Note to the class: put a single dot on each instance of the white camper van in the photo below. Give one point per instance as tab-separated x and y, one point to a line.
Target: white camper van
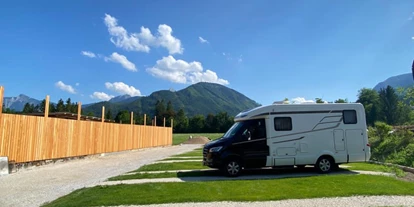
322	135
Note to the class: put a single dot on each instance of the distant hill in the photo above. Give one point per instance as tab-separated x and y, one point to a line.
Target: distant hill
17	103
403	80
124	99
201	98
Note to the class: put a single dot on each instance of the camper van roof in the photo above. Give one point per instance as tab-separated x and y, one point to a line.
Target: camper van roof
286	108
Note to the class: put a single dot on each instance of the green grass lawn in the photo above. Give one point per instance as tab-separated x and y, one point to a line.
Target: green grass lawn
375	167
187	158
180	138
195	153
165	175
172	166
237	190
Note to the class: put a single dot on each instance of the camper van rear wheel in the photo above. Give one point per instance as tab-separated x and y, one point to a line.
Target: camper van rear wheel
232	168
324	164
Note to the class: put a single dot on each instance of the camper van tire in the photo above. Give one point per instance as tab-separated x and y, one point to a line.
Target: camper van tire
232	167
325	164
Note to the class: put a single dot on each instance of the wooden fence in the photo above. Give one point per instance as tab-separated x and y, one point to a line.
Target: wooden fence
25	138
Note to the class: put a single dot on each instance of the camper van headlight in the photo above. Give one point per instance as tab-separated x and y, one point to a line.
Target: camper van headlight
215	149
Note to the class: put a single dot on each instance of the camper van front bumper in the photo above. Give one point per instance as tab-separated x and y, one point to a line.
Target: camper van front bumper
211	159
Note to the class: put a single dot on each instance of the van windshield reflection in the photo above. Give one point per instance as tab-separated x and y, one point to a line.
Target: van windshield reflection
233	130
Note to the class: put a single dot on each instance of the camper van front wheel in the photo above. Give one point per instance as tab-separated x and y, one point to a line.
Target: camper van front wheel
232	168
324	164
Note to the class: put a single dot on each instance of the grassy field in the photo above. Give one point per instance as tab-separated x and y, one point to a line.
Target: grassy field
214	172
246	190
180	138
333	185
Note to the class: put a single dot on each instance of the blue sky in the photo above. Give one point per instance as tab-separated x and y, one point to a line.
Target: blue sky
267	50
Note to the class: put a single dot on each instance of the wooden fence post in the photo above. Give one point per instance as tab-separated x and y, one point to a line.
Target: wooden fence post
47	144
103	114
1	100
172	123
155	120
132	118
47	106
164	121
145	119
79	110
1	112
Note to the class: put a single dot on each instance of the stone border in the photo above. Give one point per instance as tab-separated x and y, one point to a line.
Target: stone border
404	168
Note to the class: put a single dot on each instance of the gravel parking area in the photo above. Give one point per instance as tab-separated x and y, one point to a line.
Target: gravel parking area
360	201
34	186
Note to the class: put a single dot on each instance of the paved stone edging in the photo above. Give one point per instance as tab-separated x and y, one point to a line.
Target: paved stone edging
168	171
172	161
402	167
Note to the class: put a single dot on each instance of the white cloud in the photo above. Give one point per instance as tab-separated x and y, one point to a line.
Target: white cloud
77	84
240	58
117	58
142	41
202	40
121	38
412	38
101	96
301	100
180	71
123	88
88	54
224	54
62	86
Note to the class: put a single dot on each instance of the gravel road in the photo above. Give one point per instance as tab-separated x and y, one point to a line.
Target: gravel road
33	187
360	201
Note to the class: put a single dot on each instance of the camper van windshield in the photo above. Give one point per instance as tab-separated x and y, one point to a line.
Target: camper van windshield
233	130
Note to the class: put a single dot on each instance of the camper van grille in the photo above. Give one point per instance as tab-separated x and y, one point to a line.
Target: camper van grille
205	150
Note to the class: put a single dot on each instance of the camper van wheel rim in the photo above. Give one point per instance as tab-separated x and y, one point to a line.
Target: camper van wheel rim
325	164
233	168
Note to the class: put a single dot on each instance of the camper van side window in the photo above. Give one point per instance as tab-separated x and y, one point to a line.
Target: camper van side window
349	117
283	123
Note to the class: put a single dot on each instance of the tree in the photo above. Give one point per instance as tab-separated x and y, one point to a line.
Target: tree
169	113
210	124
341	101
41	106
60	106
123	117
108	114
370	99
196	123
68	105
28	108
52	108
160	112
181	122
319	100
389	104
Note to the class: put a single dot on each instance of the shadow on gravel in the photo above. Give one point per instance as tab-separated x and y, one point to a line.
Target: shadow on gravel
261	173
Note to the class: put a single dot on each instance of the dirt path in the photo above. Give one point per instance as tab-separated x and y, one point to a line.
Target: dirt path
33	187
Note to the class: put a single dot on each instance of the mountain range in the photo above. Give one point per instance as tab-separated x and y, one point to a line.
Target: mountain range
200	98
17	103
403	80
